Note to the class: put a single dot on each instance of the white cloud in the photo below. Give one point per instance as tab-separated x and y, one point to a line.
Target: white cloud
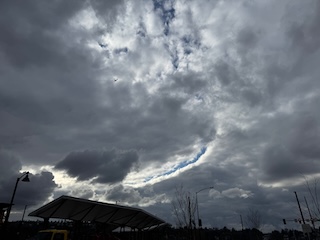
236	192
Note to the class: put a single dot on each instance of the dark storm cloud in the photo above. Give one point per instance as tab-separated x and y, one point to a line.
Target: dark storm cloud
49	98
40	187
108	10
107	166
37	33
248	92
57	101
225	73
56	97
23	40
252	96
304	33
108	124
294	151
9	164
247	38
158	124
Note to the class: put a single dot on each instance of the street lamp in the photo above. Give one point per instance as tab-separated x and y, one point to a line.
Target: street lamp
25	179
199	220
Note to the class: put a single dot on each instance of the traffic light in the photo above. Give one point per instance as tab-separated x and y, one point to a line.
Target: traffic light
284	221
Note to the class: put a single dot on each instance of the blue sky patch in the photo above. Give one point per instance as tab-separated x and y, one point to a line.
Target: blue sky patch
179	166
166	14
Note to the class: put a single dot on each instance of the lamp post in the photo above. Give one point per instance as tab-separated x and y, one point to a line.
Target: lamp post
25	179
199	221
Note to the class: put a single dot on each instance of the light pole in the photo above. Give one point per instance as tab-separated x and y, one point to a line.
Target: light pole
199	221
24	211
25	179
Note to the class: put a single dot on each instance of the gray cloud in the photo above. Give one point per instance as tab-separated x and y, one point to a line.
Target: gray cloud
9	164
26	44
123	196
30	193
107	166
244	83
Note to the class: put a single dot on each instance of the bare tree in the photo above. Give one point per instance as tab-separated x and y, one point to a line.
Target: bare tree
313	191
184	208
253	218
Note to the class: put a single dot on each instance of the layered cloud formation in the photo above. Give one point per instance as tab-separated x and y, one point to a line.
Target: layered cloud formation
123	101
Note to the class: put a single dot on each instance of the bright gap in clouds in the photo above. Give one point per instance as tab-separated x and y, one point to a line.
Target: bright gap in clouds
178	166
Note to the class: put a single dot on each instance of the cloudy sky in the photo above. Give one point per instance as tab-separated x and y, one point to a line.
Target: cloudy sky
123	101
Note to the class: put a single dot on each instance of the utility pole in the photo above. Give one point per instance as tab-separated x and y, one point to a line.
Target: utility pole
241	222
301	214
197	205
24	211
189	210
309	213
300	208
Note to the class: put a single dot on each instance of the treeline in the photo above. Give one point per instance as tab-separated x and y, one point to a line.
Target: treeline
232	234
25	230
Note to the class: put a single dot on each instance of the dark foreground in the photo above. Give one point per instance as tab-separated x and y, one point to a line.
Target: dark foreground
87	231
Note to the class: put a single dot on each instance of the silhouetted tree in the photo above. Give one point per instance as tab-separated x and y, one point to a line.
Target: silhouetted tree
313	191
275	235
184	208
253	218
